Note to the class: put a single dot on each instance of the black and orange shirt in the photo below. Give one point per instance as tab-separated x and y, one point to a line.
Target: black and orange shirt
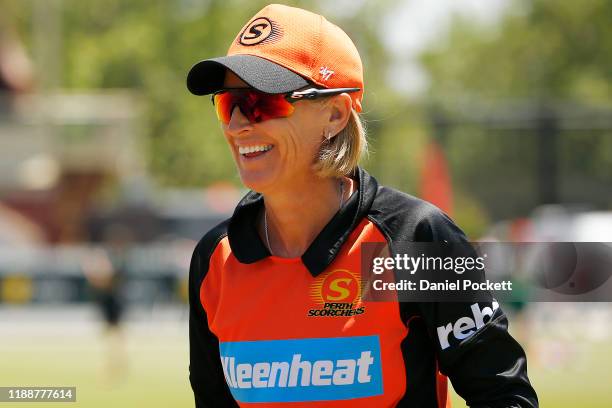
270	331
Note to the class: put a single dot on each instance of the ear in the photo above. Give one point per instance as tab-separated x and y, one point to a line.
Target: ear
340	107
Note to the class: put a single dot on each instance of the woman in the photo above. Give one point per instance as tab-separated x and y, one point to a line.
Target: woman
275	309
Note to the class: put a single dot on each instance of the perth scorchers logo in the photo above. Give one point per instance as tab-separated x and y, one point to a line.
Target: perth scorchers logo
337	294
259	30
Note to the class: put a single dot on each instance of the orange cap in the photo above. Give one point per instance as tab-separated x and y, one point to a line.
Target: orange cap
283	49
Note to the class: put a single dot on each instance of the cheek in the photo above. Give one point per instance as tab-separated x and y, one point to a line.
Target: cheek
305	133
228	139
303	143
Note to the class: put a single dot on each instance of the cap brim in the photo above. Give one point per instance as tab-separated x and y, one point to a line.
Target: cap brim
207	76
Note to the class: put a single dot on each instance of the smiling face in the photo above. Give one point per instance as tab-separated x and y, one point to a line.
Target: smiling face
277	152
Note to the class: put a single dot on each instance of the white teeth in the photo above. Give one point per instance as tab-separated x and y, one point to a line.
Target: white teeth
253	149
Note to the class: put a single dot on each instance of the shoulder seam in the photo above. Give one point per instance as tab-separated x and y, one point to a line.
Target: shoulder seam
387	236
378	225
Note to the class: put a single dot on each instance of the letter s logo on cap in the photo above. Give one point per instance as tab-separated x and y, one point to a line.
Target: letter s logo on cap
259	30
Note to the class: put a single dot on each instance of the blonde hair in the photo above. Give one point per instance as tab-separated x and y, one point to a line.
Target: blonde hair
340	155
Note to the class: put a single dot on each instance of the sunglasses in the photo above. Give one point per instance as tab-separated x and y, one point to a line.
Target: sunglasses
259	106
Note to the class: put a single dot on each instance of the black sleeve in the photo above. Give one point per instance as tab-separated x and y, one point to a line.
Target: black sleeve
205	370
488	368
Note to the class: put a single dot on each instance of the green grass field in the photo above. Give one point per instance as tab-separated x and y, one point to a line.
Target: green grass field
154	373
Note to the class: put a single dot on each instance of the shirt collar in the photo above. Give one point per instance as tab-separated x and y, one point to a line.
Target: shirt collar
248	247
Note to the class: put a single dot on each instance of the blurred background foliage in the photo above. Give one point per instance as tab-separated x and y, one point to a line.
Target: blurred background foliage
541	49
545	67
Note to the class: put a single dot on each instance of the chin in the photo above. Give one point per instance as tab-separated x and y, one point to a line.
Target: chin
259	181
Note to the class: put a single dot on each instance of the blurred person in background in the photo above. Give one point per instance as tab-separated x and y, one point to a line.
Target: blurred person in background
105	271
275	308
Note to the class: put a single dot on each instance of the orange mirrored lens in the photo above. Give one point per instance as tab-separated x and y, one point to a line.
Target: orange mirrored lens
256	106
223	104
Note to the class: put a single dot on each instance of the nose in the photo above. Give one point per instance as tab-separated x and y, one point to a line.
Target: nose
239	124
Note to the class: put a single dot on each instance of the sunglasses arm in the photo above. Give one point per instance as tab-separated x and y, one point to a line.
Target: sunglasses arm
314	93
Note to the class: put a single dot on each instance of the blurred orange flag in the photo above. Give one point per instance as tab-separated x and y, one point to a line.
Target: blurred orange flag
435	179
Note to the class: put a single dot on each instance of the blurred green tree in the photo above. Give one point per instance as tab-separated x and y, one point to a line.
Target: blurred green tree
541	48
492	81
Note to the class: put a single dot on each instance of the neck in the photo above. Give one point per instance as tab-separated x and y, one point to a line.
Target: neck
296	214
